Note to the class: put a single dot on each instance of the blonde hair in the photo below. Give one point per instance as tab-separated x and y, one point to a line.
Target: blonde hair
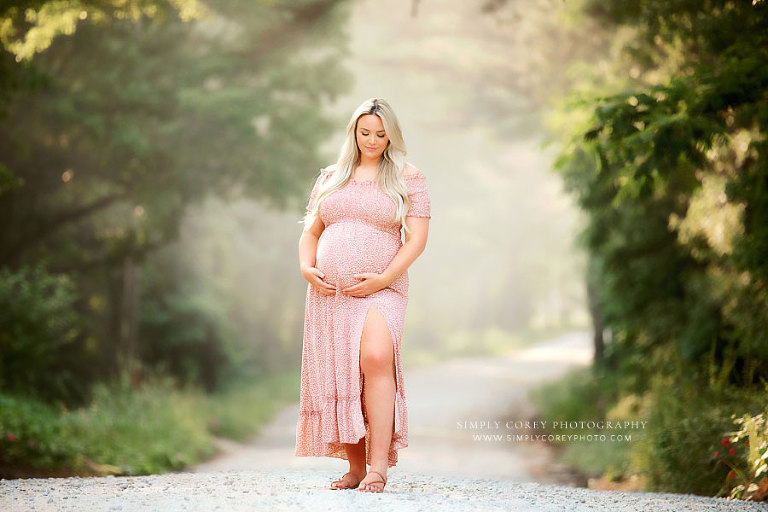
390	167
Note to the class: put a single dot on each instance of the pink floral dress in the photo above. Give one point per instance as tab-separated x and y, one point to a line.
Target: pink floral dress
360	235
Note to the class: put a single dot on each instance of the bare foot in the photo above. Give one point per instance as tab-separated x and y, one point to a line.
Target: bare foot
349	480
374	481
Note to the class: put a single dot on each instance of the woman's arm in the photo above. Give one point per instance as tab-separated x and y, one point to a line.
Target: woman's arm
308	254
414	245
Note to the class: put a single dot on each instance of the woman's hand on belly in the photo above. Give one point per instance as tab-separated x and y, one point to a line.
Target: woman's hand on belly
370	282
315	278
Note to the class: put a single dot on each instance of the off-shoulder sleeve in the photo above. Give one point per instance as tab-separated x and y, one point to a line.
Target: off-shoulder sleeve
418	195
313	195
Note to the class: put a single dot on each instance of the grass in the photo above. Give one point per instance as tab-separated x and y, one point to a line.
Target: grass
123	431
685	422
577	397
487	342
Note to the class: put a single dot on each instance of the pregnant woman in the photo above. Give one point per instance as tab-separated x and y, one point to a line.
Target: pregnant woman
352	403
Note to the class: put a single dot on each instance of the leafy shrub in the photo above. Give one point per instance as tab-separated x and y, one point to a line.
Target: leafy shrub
581	395
39	334
126	431
30	433
578	395
139	431
684	419
747	457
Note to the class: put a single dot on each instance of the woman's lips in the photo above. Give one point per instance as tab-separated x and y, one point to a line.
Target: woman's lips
370	149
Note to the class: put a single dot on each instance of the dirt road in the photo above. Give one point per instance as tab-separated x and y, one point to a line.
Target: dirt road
440	399
443	468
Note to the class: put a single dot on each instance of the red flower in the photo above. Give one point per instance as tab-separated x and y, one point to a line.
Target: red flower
731	451
746	442
31	442
731	474
11	437
726	442
716	453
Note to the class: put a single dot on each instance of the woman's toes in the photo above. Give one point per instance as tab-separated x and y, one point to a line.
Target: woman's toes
371	483
349	480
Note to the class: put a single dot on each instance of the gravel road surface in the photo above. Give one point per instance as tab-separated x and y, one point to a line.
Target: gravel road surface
306	490
443	468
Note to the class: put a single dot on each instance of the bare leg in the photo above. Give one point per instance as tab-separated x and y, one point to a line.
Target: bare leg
356	455
377	362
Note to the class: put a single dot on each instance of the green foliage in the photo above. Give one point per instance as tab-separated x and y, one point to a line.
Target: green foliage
678	450
492	341
140	432
748	449
149	118
41	343
30	26
574	397
197	346
119	432
601	459
249	404
685	425
670	165
156	428
583	396
112	133
673	273
30	432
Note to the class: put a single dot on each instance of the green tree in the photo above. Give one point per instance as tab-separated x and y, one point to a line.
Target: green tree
113	131
647	170
670	164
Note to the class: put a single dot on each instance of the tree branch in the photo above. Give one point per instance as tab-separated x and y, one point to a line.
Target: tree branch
33	236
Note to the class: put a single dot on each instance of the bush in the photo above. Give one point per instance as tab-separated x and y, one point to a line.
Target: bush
680	450
581	395
685	425
141	431
245	407
747	457
123	431
31	433
578	395
39	335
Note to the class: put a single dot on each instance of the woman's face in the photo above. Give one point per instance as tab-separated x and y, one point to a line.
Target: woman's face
372	140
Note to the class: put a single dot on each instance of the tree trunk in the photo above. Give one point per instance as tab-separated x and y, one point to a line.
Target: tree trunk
127	321
597	324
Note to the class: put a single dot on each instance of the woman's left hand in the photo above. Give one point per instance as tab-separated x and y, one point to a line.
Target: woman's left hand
371	283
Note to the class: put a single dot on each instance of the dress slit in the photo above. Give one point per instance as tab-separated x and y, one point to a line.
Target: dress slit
373	305
399	436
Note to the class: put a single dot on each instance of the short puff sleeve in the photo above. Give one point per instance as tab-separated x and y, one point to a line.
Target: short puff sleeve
324	173
418	195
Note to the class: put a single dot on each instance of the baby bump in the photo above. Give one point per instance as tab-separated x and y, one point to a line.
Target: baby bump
345	249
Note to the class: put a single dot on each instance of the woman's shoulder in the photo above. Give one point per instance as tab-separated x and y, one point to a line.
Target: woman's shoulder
329	169
411	171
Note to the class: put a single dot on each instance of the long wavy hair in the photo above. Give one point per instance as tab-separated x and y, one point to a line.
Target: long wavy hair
390	167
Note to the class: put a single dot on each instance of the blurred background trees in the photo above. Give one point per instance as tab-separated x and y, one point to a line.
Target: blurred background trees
672	171
118	118
666	154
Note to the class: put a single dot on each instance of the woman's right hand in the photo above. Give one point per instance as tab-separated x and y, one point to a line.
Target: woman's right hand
315	278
